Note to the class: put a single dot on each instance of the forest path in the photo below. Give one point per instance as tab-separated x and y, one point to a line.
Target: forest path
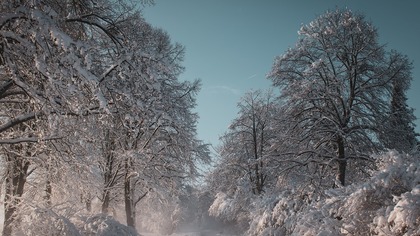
194	233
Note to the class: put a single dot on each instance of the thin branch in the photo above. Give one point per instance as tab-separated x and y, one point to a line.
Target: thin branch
142	196
26	140
18	120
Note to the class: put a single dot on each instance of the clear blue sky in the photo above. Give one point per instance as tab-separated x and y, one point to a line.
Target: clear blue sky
231	44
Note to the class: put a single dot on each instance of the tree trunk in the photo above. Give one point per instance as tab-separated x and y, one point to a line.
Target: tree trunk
15	182
261	176
342	171
258	180
342	161
48	186
130	211
109	175
48	192
88	202
105	202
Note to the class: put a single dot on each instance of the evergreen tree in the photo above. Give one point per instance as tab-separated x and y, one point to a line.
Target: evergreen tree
399	133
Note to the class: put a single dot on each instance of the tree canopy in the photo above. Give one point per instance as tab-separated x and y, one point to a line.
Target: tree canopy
92	109
336	84
341	105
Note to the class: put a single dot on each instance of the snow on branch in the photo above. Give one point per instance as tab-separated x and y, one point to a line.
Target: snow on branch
18	120
26	140
115	39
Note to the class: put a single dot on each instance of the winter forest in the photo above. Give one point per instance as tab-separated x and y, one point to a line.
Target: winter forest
98	133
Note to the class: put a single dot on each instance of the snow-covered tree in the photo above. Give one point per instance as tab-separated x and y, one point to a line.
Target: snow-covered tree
44	71
157	129
245	168
246	146
336	85
398	129
68	73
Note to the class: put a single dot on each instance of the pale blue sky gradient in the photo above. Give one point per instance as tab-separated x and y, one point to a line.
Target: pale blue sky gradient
231	44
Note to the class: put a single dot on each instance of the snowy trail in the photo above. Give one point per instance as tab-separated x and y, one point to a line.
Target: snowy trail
208	233
193	233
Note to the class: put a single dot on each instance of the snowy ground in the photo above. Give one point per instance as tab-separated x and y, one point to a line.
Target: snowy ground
195	233
192	230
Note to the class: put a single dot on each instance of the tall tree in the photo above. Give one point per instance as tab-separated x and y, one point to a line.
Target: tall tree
250	137
153	122
46	70
336	83
67	64
245	168
398	131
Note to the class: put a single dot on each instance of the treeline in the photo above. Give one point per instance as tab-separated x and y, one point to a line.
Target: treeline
338	100
93	119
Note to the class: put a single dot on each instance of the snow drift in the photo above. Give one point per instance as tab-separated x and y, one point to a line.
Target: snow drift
386	204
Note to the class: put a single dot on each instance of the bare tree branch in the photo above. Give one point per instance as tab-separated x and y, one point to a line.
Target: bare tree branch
27	140
18	120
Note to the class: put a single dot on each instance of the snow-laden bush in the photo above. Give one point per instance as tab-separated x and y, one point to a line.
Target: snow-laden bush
386	204
105	225
277	213
371	207
222	207
44	221
403	218
401	176
53	221
233	209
